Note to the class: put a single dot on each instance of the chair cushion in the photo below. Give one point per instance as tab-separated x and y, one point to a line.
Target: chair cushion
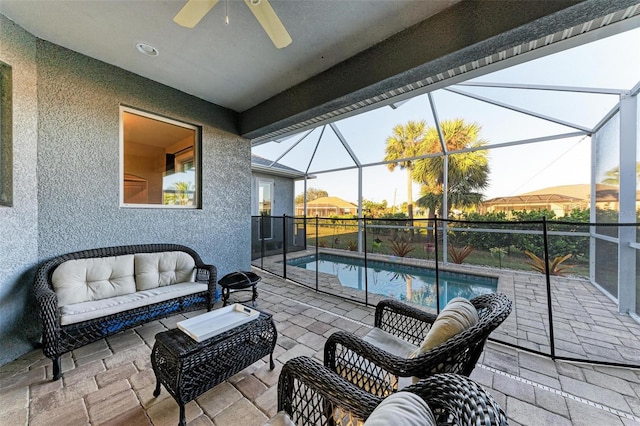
78	312
85	280
389	343
457	316
393	345
163	268
401	409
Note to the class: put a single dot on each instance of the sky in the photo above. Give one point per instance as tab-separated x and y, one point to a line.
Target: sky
612	62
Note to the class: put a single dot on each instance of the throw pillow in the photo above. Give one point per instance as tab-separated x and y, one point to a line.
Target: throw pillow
457	316
401	409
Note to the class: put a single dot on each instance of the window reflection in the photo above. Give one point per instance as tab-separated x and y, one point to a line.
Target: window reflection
159	161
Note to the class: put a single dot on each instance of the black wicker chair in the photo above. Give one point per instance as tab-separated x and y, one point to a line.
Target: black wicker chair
59	339
311	394
379	371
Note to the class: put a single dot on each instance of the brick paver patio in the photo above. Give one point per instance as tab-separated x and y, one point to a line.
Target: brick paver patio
587	325
110	382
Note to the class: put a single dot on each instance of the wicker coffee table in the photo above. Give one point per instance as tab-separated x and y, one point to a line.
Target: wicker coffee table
188	368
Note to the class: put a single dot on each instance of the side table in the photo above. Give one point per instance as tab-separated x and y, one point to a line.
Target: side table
188	368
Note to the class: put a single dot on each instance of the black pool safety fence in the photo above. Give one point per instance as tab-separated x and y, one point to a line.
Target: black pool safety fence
574	285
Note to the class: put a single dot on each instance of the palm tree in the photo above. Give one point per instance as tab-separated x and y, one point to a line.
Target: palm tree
405	143
612	177
180	194
468	171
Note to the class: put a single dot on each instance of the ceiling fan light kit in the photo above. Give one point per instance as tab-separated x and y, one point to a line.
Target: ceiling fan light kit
194	10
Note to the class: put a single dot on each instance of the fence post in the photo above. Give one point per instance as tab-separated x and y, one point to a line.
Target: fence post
548	278
317	252
366	267
262	247
435	233
284	245
305	231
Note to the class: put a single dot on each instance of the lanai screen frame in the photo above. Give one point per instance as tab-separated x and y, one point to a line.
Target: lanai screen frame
626	109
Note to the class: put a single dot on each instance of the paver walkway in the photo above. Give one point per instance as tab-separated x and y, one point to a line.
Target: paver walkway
110	382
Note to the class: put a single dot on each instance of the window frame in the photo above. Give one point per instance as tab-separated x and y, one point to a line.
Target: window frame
6	135
196	160
271	184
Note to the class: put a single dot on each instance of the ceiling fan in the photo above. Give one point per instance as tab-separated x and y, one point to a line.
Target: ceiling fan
194	10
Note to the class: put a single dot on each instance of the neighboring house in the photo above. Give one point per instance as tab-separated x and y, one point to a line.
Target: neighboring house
272	187
272	194
326	207
559	199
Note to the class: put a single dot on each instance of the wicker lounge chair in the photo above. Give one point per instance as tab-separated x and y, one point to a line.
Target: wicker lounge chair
381	372
311	394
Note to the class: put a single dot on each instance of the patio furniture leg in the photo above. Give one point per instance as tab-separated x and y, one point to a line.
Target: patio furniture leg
57	373
183	422
255	295
225	296
156	392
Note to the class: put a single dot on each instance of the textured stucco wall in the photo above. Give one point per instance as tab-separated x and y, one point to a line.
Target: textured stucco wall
18	223
283	189
78	164
66	173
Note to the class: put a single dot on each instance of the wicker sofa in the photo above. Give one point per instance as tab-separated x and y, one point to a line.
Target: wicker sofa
91	294
311	394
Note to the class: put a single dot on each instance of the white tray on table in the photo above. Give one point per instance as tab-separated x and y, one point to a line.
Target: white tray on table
216	322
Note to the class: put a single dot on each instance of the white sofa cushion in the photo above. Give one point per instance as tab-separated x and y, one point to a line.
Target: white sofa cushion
84	280
78	312
402	409
164	268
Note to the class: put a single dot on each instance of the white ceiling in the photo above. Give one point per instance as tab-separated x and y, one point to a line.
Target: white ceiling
236	65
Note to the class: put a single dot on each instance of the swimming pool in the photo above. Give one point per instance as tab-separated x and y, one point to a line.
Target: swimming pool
397	281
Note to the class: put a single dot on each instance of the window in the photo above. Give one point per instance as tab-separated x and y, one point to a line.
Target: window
265	206
6	145
159	161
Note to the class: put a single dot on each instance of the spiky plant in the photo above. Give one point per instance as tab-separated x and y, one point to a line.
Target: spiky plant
401	248
554	265
459	254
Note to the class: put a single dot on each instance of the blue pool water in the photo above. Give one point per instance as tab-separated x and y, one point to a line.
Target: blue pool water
395	280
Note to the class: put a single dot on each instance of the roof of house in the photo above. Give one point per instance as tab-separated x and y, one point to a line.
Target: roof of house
581	191
533	199
562	194
331	202
263	165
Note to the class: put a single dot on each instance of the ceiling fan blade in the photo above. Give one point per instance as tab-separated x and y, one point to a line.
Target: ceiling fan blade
272	25
192	12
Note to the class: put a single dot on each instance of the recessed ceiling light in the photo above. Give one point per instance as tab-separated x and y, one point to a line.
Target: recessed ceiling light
147	49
